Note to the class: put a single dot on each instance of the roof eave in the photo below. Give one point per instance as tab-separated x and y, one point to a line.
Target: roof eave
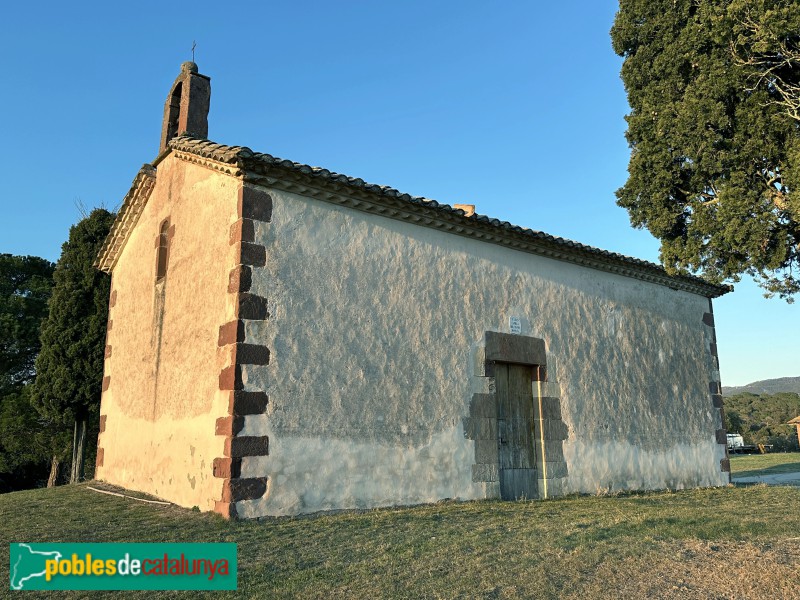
127	217
482	228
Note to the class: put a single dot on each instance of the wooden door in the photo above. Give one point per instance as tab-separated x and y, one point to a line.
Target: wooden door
515	439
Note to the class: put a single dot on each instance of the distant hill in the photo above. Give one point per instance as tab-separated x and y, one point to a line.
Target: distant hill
768	386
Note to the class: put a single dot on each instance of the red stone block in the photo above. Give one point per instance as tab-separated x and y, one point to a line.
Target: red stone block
226	509
230	333
227	468
230	378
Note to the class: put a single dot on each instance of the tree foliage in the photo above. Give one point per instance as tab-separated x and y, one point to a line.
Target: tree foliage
734	422
70	366
766	40
25	286
762	418
715	144
29	442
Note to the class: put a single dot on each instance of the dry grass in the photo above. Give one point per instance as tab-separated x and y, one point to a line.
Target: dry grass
713	543
701	569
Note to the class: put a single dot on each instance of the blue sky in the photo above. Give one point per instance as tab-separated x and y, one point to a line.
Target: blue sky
516	107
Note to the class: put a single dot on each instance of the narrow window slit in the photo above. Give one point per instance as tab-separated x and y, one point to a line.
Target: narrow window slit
163	252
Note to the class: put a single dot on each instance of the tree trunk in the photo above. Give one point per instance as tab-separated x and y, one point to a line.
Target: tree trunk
55	463
78	450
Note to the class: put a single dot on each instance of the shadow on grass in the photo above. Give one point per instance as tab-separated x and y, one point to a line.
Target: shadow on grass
793	467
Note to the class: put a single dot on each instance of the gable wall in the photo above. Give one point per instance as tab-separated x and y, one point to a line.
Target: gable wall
376	334
162	398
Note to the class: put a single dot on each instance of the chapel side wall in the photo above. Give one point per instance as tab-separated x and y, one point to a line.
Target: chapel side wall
161	396
376	333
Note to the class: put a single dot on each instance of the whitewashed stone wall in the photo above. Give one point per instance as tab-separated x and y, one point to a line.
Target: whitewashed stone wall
376	330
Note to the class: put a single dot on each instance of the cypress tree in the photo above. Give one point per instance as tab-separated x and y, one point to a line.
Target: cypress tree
69	368
715	148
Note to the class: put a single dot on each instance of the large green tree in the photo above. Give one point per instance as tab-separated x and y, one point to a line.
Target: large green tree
715	146
25	287
69	368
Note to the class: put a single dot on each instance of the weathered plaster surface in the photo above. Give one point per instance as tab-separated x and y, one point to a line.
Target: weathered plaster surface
323	473
163	398
375	334
609	466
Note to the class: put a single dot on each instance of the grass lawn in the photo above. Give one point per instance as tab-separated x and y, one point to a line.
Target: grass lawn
726	542
752	465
